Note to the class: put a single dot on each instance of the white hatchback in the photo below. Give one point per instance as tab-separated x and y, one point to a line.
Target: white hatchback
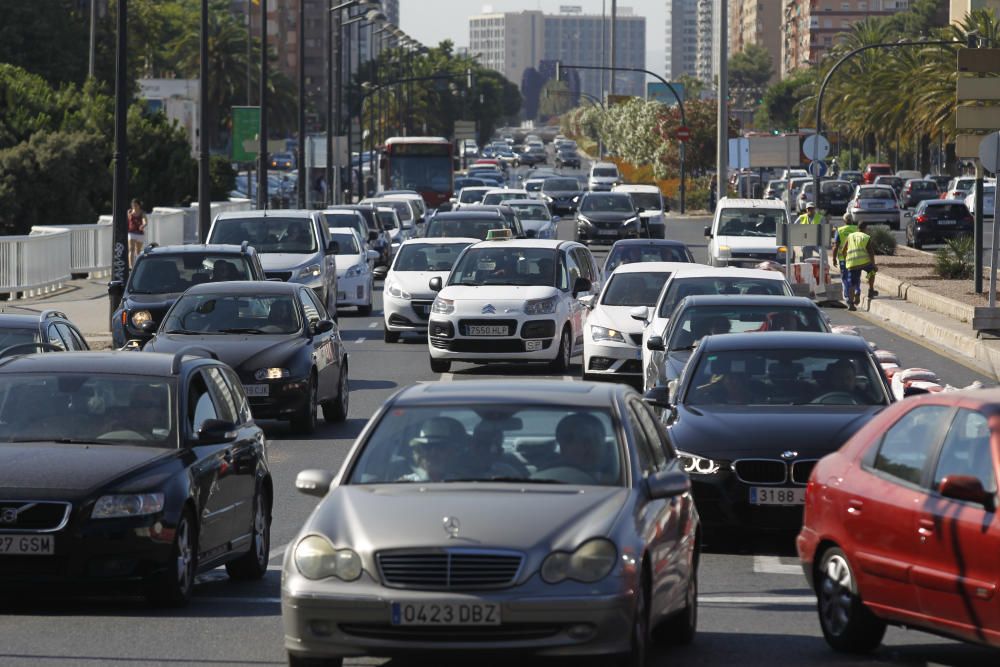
355	280
513	300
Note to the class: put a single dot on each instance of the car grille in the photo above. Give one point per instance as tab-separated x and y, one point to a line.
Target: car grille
449	569
422	308
451	633
607	225
630	366
753	255
801	471
284	276
636	338
484	346
511	325
760	471
33	516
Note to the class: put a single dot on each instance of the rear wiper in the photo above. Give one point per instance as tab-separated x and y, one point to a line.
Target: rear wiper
238	330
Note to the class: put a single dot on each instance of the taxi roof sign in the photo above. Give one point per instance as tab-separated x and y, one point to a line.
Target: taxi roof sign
499	235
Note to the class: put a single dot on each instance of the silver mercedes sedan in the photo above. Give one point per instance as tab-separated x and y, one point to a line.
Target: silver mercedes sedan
546	517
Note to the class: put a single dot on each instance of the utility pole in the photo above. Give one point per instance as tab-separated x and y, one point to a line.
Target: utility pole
328	171
93	38
204	181
303	185
613	44
119	247
722	150
262	149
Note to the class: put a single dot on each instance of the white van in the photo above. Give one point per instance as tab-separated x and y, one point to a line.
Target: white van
603	176
649	200
744	232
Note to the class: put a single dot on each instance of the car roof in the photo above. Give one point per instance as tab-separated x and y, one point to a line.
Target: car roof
516	392
750	203
635	188
116	362
674	243
795	340
751	300
939	202
507	190
650	267
245	287
524	201
20	320
442	240
523	243
605	164
702	270
467	212
194	248
266	213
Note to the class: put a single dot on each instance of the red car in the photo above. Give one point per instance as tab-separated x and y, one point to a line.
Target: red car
900	525
874	170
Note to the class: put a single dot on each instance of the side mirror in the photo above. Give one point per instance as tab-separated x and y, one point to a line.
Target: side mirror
640	313
148	328
708	231
640	211
320	326
658	397
216	432
371	254
668	484
967	488
373	236
333	248
655	343
314	482
581	285
436	284
556	218
588	301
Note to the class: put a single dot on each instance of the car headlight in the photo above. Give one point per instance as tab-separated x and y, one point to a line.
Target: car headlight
583	219
725	251
698	465
355	271
604	333
126	505
311	271
316	558
443	306
140	317
393	289
541	306
592	561
631	221
548	199
271	373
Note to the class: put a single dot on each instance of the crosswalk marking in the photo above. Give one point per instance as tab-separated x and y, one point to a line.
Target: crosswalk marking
447	377
361	340
373	325
806	598
773	565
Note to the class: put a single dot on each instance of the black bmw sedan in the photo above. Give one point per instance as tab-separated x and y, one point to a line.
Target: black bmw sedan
279	339
754	412
123	470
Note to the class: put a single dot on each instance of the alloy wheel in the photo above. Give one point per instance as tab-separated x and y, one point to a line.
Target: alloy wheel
836	595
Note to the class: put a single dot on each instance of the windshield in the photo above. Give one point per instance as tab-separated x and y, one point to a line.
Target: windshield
607	203
473	228
682	287
347	244
750	221
533	186
964	183
560	185
532	211
387	218
221	314
605	172
12	337
93	408
690	326
165	274
634	289
493	198
428	256
289	235
492	442
469	196
836	190
876	193
420	173
505	266
649	201
785	377
632	253
776	186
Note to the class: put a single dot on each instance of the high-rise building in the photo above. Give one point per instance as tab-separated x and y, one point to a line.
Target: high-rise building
681	38
756	22
706	65
959	8
391	10
512	42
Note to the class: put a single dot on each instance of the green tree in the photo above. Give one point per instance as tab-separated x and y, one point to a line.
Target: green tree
555	99
751	68
779	107
49	39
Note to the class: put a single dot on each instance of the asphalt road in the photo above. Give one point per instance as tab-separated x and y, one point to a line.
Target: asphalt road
755	609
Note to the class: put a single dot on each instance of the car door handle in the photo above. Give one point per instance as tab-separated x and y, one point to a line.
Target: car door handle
925	528
854	507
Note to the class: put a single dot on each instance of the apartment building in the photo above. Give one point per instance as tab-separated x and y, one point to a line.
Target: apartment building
681	40
756	22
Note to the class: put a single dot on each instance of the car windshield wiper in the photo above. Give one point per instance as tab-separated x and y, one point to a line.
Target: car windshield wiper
185	331
62	441
501	478
238	330
471	283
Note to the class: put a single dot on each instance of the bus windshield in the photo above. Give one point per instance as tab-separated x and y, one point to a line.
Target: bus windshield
420	173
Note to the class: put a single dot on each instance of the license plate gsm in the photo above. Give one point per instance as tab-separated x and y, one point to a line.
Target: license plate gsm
767	495
27	545
445	613
484	330
256	389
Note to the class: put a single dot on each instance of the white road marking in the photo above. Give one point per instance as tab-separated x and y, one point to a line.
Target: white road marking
447	377
360	340
373	325
231	600
773	565
568	378
783	600
277	552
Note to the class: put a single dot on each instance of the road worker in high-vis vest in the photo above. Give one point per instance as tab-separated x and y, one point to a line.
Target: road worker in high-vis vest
860	257
840	254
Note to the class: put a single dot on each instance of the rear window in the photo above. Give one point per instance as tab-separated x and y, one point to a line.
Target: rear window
879	169
693	324
476	228
605	172
948	210
560	185
632	253
634	289
876	193
924	186
684	287
166	274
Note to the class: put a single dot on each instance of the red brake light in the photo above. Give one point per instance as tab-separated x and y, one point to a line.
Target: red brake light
921	218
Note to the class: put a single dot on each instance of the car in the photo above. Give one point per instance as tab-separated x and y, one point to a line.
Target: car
567	159
378	236
695	317
874	170
959	187
752	414
355	282
278	337
894	182
989	194
283	161
900	524
405	220
500	196
604	217
508	219
651	205
787	174
293	246
562	194
467	182
942	180
129	472
627	251
533	155
162	273
833	196
907	174
471	195
533	186
853	177
356	221
693	279
512	300
414	199
537	221
603	176
917	190
389	218
874	204
510	512
406	297
744	232
775	188
23	331
791	193
935	220
612	339
507	156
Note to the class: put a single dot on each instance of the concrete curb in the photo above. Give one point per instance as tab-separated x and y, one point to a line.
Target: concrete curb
889	286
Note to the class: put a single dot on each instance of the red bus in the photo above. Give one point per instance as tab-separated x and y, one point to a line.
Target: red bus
421	164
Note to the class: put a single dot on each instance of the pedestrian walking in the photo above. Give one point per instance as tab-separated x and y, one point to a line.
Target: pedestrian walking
860	257
840	254
713	186
137	222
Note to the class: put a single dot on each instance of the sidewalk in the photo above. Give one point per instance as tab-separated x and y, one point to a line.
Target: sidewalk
84	301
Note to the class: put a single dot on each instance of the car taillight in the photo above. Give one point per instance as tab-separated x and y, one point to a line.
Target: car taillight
921	218
968	218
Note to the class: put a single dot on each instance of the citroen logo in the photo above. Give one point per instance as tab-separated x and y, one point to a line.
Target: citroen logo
789	454
451	526
10	514
488	309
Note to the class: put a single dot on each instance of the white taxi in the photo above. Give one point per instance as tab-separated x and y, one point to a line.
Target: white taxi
513	300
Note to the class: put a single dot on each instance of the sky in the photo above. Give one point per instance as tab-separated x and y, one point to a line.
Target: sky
431	21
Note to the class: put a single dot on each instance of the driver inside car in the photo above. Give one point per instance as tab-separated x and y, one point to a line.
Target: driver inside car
842	378
582	448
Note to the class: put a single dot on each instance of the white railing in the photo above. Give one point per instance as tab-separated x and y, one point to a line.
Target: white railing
34	263
90	245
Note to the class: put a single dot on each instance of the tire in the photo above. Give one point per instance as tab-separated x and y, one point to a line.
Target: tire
336	410
304	421
638	655
847	624
681	628
252	565
562	361
300	661
917	243
174	587
440	365
390	336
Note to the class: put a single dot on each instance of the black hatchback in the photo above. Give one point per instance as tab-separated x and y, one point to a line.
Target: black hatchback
23	331
936	220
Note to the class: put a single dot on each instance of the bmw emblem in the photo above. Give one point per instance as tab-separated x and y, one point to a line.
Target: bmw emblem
789	454
489	309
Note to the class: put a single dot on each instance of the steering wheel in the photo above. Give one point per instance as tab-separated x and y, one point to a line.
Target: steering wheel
824	399
122	434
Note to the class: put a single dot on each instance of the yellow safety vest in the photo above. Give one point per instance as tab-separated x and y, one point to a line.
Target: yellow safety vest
804	219
843	233
857	250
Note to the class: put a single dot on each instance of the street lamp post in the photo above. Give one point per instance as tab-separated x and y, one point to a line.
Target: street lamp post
119	247
303	186
204	183
262	145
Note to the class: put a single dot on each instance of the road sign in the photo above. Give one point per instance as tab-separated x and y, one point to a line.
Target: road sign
977	118
246	133
816	147
989	151
967	145
682	133
739	153
817	168
977	88
978	61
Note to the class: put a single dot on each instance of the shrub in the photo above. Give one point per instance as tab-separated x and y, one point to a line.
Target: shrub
956	261
883	242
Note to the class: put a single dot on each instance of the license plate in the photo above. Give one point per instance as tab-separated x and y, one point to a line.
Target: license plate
946	222
256	389
482	330
445	613
27	545
838	202
765	495
532	345
607	232
875	205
